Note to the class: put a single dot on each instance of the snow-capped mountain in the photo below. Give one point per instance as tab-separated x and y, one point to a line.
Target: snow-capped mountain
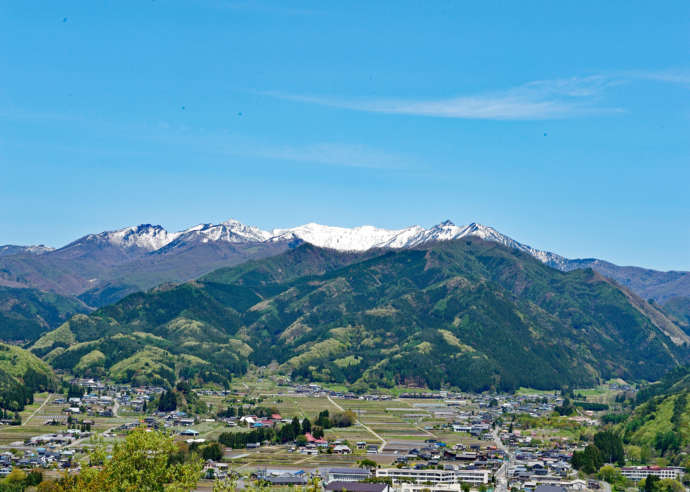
147	238
231	231
105	267
12	249
367	237
154	237
344	239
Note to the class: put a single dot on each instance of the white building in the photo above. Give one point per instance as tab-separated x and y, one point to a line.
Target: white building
347	475
448	477
637	473
439	487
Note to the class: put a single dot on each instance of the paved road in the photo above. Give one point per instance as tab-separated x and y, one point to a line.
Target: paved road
502	473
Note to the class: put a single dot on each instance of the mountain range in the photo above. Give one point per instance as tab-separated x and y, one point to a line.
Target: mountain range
468	313
100	269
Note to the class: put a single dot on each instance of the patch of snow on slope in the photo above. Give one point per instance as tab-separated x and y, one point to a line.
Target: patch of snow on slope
145	236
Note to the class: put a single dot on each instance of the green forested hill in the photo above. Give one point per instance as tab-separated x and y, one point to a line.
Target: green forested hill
27	313
21	374
660	421
469	313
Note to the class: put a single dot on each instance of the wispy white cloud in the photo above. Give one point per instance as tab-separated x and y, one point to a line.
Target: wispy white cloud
536	100
325	153
677	76
175	134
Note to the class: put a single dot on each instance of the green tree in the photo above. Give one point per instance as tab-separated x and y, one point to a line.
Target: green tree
667	441
306	426
651	483
343	419
610	446
323	420
609	474
75	391
296	427
589	460
167	401
212	452
645	454
669	485
140	462
33	478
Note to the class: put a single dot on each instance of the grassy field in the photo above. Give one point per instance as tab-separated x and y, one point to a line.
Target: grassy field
396	421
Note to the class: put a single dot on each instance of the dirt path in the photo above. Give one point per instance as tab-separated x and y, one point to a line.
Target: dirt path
37	410
426	431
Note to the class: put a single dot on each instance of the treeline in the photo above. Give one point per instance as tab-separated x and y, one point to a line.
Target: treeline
240	411
614	418
672	377
287	433
607	448
15	395
237	440
292	431
588	405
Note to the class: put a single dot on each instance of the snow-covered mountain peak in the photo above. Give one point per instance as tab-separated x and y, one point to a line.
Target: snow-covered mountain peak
155	238
231	231
13	249
359	238
144	236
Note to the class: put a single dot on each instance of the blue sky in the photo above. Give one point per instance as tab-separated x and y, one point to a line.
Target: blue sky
565	125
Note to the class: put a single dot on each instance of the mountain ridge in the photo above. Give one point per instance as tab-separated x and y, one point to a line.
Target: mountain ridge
104	267
469	313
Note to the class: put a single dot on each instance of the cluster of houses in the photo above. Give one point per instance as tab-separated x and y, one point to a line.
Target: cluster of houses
532	467
100	397
89	404
433	466
314	389
41	457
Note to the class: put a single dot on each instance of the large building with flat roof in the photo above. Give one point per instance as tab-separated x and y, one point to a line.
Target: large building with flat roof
401	475
637	473
346	475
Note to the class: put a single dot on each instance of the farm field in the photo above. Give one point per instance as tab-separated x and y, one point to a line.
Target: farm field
35	416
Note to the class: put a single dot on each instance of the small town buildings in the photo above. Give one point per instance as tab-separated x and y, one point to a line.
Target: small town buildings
357	487
637	473
346	475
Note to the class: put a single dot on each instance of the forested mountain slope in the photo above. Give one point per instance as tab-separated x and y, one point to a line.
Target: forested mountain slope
27	313
467	313
660	420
